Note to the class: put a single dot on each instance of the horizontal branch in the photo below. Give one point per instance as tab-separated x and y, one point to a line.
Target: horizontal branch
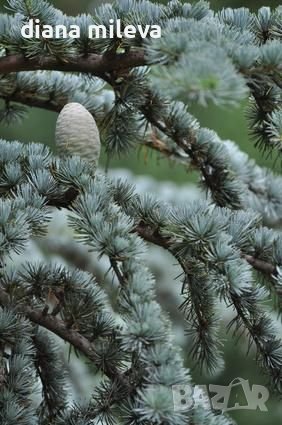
56	105
54	325
92	64
153	236
59	328
30	99
262	266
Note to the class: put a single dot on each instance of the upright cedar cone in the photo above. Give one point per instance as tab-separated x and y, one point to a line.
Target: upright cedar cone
77	133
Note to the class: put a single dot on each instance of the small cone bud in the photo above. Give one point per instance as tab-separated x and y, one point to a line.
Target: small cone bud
77	133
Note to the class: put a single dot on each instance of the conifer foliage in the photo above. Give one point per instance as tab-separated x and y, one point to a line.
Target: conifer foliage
228	247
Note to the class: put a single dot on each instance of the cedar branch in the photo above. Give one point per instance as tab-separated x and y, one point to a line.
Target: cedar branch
59	328
152	235
153	142
53	324
92	64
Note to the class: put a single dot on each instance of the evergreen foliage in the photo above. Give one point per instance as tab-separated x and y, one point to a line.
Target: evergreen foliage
228	246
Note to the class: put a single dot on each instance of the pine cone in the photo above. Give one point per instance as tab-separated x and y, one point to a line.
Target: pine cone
77	133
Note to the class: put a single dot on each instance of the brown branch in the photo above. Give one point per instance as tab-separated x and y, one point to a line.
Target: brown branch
53	324
64	200
56	105
260	265
59	328
153	235
117	271
92	64
30	99
210	173
155	143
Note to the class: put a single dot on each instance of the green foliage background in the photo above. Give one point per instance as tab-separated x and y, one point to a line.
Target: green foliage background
230	124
